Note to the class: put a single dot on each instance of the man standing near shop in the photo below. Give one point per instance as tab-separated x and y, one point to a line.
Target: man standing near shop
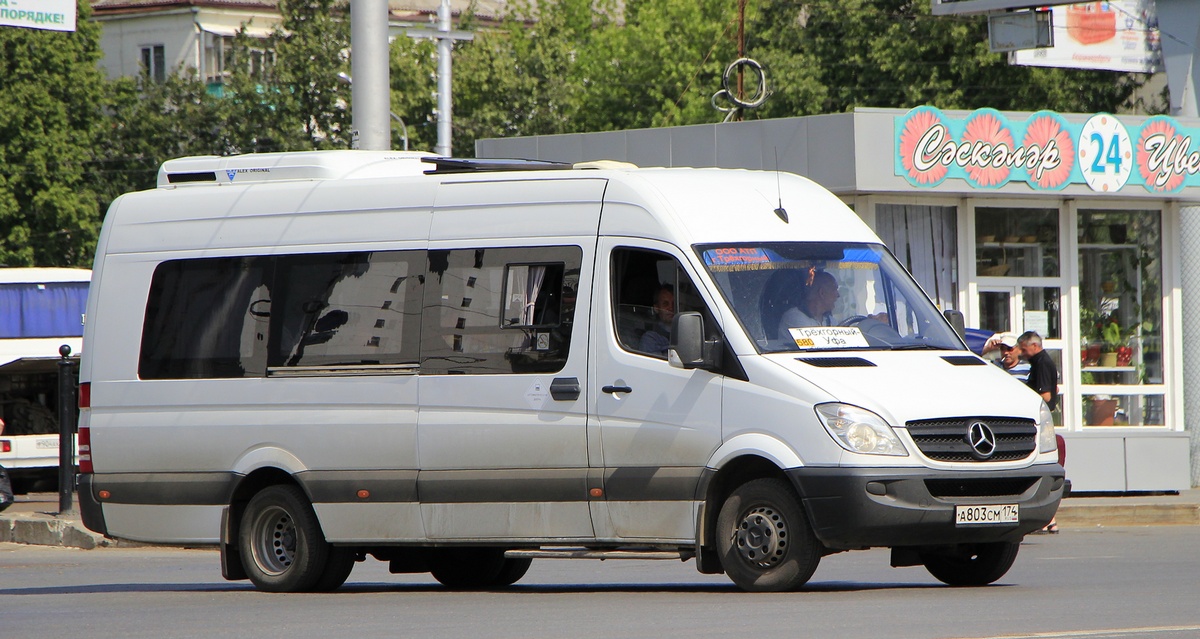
1043	379
1043	374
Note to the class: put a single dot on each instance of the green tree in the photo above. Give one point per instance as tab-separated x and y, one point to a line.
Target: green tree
893	53
660	68
283	94
49	213
147	123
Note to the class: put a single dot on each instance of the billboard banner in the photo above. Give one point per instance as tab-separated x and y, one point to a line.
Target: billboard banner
52	15
1046	152
1121	35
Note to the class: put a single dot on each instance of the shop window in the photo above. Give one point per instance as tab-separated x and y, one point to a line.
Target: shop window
1120	307
1104	409
1016	242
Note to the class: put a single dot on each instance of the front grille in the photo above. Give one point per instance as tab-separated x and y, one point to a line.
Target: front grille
1003	487
947	439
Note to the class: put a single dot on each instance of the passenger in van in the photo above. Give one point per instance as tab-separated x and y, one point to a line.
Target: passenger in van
658	337
816	307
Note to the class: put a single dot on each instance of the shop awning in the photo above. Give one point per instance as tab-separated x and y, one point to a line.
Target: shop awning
228	30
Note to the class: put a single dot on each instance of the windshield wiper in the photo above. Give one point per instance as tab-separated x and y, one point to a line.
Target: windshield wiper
918	347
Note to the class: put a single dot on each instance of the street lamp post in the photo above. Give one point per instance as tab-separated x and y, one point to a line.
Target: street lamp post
345	78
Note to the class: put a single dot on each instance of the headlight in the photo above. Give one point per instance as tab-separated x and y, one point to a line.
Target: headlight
1047	442
859	430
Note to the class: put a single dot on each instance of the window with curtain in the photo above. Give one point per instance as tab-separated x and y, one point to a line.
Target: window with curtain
925	240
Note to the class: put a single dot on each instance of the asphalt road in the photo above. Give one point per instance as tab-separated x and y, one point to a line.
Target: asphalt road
1114	583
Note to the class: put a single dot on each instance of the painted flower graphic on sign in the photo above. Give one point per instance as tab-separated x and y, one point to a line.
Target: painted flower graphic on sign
920	141
993	142
1047	133
1156	146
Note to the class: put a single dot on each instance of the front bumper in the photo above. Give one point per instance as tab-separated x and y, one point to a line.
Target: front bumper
891	507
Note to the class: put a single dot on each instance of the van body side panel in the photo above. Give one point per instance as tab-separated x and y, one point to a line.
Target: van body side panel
657	438
500	456
336	433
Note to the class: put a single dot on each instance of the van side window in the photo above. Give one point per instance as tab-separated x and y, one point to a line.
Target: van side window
346	309
207	318
499	310
649	289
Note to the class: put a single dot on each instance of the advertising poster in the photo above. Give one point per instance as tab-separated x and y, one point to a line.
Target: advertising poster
1121	35
52	15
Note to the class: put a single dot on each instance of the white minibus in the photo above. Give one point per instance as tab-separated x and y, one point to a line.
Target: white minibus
458	366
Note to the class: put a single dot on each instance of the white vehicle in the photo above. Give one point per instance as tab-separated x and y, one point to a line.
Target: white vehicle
457	366
41	310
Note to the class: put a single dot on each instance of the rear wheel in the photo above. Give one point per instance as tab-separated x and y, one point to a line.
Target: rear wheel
512	572
337	569
282	547
473	568
972	564
764	540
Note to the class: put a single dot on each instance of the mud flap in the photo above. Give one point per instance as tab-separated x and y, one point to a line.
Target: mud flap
231	557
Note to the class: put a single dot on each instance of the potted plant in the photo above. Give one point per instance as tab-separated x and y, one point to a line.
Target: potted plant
1113	341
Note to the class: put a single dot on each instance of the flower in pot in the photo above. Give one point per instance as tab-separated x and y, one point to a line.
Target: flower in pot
1113	342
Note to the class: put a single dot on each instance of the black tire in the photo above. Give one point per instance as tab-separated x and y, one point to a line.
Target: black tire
476	567
512	571
764	540
337	569
972	564
282	547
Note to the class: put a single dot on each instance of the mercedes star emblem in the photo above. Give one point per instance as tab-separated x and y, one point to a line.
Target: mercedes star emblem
982	439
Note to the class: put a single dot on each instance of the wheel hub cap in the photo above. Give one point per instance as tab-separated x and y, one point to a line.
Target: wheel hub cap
761	538
276	541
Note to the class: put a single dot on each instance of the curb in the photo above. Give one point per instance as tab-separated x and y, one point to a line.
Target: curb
1087	515
43	529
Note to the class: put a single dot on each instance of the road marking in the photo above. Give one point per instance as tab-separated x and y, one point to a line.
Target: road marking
1111	632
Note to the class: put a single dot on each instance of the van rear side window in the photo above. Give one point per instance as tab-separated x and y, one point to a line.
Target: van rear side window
496	310
207	318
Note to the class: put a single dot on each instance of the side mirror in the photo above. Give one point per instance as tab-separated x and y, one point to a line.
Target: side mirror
688	348
956	320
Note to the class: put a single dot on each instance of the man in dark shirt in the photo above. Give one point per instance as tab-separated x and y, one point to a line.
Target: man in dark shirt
1043	374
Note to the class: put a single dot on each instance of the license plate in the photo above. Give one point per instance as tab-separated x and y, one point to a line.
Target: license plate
46	444
986	515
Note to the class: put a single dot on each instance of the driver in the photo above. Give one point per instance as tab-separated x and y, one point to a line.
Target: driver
816	309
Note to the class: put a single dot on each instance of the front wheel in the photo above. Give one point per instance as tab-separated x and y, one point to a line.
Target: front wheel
972	564
764	540
282	547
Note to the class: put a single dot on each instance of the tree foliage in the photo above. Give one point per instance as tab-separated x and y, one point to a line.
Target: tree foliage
49	117
70	141
893	53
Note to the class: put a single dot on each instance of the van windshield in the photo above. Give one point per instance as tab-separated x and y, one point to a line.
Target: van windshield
818	296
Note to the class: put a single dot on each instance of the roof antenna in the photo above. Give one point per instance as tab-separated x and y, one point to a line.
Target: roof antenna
781	212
